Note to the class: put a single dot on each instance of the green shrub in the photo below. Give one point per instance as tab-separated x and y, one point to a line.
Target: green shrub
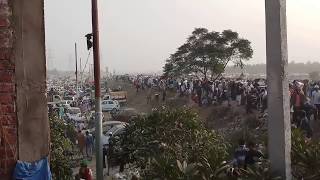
60	163
173	144
252	122
305	157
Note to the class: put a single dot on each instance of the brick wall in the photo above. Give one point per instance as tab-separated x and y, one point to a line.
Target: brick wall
8	118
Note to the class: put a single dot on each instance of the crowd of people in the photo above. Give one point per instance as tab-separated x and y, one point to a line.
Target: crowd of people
252	94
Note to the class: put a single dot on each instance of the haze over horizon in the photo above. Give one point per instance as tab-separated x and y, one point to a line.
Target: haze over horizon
139	35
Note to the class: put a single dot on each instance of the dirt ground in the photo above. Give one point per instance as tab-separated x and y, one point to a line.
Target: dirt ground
215	117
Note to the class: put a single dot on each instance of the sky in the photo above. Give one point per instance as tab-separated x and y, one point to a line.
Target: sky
137	36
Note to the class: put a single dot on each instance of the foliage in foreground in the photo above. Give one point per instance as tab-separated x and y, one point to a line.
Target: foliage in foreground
60	163
173	144
305	157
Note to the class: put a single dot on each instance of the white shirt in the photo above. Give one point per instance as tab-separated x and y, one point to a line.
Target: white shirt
315	99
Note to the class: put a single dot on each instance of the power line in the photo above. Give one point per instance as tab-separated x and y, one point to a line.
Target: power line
86	61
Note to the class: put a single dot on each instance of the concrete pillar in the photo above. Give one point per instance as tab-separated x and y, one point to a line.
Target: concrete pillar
279	126
30	77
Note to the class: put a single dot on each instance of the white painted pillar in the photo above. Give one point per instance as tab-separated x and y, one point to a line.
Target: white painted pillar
279	126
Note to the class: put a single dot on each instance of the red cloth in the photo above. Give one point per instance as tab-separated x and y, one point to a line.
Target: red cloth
87	174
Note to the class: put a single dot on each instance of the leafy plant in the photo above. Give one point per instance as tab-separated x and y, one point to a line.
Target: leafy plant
260	170
60	163
173	144
305	156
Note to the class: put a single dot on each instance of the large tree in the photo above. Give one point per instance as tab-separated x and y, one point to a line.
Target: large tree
208	53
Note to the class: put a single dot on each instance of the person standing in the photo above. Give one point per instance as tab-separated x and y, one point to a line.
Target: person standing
85	172
253	155
315	99
297	101
81	142
89	145
240	155
149	94
61	112
163	90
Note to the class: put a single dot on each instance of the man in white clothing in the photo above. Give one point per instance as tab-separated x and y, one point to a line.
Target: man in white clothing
315	99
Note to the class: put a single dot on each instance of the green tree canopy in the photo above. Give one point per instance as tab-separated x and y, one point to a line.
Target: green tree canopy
208	53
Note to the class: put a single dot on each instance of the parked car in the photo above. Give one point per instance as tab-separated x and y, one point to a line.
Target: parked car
120	96
74	114
106	126
70	98
66	103
115	131
110	105
124	115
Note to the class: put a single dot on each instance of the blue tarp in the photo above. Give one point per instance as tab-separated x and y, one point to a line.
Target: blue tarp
38	170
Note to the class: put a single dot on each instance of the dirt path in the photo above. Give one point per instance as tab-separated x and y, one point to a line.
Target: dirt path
138	100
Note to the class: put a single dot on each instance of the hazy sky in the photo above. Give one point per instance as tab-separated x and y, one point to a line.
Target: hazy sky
138	35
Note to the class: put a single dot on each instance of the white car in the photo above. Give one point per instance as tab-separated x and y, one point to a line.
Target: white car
66	103
74	114
110	105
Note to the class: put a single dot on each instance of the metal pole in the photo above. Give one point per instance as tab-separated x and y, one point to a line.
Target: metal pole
76	58
80	73
279	126
96	56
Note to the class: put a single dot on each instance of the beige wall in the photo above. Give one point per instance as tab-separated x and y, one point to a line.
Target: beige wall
33	126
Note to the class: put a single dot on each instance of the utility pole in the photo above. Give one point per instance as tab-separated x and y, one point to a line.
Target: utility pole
76	58
96	62
279	126
81	72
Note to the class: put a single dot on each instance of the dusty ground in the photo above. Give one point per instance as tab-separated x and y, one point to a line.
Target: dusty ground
215	117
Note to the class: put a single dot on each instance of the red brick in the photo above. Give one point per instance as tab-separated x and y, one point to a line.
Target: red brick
6	99
7	120
7	88
6	109
10	163
2	165
6	76
5	176
2	152
6	65
11	131
6	38
4	119
12	120
5	53
4	22
11	153
3	3
11	140
4	8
